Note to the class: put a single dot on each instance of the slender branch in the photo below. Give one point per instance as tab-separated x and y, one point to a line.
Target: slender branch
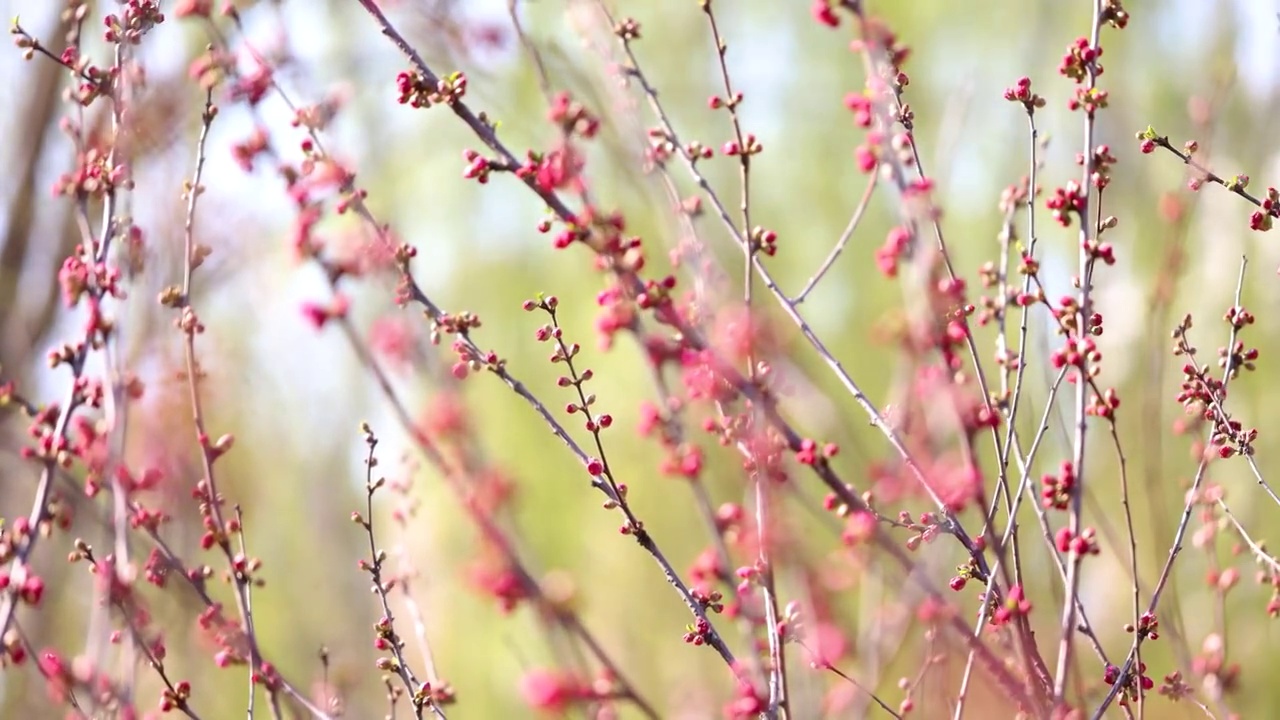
388	638
1125	674
210	451
1085	303
867	691
843	240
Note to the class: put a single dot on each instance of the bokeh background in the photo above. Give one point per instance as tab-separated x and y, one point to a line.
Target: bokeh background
294	396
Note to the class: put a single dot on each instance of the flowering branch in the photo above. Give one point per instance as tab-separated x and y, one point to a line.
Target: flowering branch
388	640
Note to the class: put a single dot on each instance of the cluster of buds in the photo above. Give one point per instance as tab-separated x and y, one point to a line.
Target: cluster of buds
1262	220
1084	543
1056	490
1080	59
1020	92
137	19
1130	683
417	91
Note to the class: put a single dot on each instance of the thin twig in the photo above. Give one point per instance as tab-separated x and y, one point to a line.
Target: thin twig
191	326
1085	303
388	638
1124	675
845	236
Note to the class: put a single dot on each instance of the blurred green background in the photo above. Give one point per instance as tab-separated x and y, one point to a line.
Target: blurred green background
294	397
